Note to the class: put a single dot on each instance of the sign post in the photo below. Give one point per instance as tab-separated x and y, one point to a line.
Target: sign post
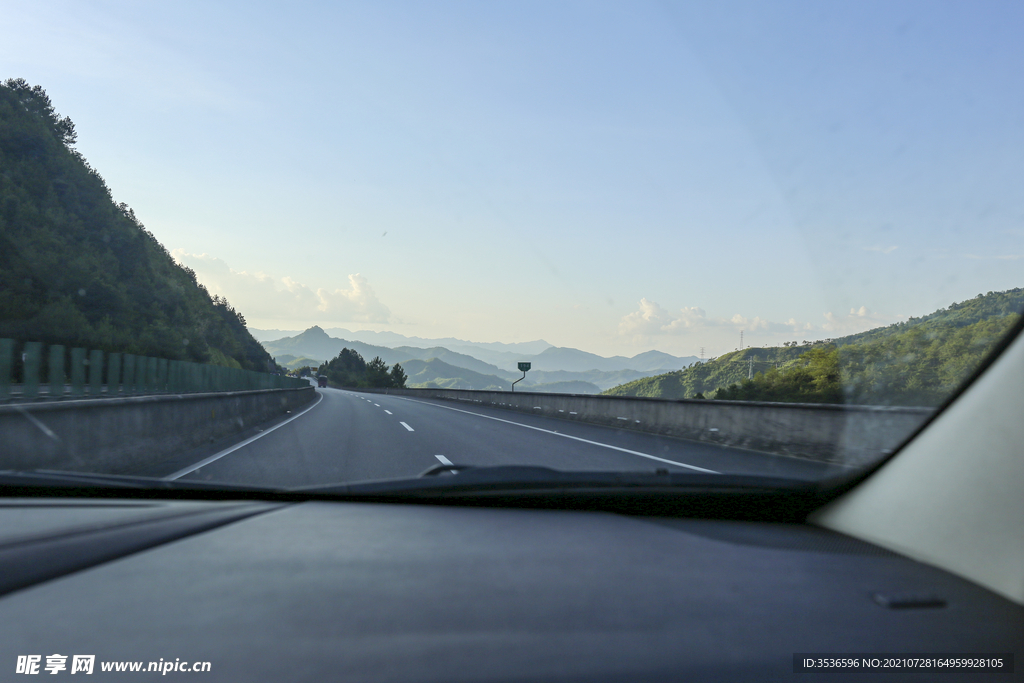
524	367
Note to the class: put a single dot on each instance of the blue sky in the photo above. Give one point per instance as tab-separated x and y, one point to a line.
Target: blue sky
615	177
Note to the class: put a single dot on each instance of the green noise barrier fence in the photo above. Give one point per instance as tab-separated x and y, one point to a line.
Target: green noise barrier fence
81	373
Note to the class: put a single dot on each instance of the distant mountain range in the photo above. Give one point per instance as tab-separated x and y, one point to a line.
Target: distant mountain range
393	339
472	365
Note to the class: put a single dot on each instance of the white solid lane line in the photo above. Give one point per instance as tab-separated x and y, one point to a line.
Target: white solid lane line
407	426
566	436
388	411
444	460
218	456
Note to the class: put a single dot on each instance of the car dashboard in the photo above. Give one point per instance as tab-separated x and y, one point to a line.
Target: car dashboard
350	591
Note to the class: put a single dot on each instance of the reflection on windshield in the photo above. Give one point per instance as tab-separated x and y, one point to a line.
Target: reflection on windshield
614	240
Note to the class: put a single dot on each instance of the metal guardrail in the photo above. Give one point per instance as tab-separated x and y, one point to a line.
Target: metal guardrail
81	373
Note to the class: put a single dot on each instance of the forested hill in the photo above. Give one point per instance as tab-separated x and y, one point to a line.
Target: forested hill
77	268
917	362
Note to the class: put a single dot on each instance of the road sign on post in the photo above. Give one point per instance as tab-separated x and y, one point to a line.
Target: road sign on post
524	367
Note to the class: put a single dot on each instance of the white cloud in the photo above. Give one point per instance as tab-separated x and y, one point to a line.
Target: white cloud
651	320
260	296
882	250
857	320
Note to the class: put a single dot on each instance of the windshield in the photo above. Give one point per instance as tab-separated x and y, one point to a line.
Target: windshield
315	244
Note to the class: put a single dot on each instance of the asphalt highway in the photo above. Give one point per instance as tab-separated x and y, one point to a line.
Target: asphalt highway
347	436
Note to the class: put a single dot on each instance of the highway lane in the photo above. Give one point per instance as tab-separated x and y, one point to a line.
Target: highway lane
351	436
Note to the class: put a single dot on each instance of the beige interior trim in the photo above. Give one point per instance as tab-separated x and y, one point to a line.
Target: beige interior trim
954	496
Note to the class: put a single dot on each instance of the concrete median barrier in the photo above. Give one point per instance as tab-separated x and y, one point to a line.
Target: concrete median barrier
121	435
848	434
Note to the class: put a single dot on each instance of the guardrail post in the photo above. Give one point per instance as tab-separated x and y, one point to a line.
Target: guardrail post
154	375
139	385
145	377
32	355
95	373
162	375
141	374
56	374
129	373
77	371
114	374
6	365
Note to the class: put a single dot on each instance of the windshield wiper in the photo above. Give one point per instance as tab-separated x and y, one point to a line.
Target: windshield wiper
508	478
722	496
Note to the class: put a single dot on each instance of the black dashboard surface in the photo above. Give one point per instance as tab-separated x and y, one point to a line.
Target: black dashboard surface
324	591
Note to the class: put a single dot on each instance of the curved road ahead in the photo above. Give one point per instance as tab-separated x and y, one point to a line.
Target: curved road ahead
347	436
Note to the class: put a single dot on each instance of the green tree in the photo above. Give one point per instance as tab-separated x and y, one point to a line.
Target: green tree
377	374
348	369
398	376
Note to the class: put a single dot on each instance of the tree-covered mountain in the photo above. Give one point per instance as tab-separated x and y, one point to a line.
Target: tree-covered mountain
568	387
79	269
437	374
575	360
917	362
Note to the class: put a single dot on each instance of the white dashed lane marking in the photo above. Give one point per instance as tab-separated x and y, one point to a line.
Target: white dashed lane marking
565	436
444	460
407	426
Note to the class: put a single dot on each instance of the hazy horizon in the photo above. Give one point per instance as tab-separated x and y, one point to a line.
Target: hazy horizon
272	335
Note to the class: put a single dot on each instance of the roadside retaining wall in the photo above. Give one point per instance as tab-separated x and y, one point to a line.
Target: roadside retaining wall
119	435
848	434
